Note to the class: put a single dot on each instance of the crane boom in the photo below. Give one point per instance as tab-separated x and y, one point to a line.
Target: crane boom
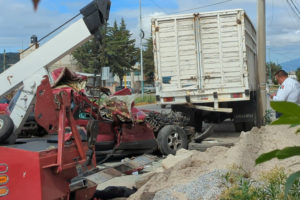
30	71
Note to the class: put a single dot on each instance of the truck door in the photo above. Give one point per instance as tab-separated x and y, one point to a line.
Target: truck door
222	62
177	53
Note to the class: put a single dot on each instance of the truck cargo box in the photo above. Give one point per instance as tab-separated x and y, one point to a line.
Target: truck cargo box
204	57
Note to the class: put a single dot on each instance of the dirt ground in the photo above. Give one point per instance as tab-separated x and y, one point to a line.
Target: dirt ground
187	165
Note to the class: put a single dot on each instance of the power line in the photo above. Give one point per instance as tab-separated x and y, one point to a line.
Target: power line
209	5
158	6
294	8
296	2
56	29
288	11
272	13
205	6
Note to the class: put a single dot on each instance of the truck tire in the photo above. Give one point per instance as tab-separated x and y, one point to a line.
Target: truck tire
248	126
6	127
243	126
238	126
171	138
163	106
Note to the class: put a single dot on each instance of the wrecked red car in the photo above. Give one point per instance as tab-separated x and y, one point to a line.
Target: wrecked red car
122	128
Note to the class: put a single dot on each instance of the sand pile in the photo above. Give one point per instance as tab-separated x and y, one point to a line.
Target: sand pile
189	165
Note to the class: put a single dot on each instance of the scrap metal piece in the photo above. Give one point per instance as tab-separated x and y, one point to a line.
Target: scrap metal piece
104	175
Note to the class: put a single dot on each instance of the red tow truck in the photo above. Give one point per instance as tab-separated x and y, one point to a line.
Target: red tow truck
3	105
58	164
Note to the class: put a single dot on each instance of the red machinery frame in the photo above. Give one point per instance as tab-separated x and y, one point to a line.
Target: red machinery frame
45	172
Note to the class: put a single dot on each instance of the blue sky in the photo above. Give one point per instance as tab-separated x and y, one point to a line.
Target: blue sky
18	20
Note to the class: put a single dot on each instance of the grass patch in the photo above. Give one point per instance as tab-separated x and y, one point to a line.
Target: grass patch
147	99
270	186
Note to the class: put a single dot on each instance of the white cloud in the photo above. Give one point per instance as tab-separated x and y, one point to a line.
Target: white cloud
18	22
282	25
132	18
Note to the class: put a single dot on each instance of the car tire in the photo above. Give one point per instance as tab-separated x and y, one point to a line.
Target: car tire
170	139
6	127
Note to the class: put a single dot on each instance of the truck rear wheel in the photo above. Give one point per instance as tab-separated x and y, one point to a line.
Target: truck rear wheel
248	126
6	127
238	126
171	138
243	126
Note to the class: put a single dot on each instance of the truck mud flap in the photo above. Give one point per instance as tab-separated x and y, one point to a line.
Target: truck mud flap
207	132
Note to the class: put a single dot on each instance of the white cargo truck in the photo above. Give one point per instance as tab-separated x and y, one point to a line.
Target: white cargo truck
205	66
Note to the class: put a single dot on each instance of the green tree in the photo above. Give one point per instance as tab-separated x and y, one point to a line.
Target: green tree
148	59
274	68
123	53
298	73
10	59
91	56
117	51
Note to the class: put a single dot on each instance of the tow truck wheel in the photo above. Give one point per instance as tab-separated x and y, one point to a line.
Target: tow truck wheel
171	138
6	127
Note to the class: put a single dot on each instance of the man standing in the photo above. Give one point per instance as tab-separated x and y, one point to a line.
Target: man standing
289	89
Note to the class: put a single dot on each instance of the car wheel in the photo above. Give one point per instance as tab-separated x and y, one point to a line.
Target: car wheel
6	127
171	138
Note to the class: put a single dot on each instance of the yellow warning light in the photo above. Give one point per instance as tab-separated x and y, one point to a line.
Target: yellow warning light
3	191
3	179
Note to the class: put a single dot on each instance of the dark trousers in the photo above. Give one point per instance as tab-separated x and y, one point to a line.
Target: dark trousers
278	114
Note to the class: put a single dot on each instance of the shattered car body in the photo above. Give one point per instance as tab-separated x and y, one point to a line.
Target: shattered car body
122	128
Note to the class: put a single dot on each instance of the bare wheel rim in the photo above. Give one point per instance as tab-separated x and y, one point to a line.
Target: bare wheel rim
1	123
174	141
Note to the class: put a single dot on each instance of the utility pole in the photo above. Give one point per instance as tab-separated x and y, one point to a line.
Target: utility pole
4	61
261	61
269	67
141	51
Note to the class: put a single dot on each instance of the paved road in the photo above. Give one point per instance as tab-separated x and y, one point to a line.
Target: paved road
223	134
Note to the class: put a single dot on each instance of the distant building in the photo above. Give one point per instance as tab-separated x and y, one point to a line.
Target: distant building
109	82
293	75
131	79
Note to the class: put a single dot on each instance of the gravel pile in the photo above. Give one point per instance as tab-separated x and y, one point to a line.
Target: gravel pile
206	187
198	175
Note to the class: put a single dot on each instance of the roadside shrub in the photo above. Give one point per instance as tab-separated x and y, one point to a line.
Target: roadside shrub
269	187
147	99
290	115
268	117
